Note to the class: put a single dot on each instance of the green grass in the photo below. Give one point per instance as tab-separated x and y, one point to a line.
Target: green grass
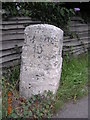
74	79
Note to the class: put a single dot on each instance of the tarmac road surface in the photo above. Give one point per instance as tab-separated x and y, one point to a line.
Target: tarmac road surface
74	110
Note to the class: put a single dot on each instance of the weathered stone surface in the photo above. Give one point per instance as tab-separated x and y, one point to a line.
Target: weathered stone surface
41	59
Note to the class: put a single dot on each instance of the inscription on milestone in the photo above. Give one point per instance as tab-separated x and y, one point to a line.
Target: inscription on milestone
41	59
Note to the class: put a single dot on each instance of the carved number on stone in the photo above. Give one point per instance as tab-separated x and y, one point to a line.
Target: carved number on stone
33	39
50	40
29	85
37	49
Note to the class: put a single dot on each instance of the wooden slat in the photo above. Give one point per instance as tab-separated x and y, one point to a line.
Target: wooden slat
76	52
9	63
74	47
79	52
10	58
74	44
79	29
15	31
9	52
19	22
73	51
13	37
83	34
76	40
11	44
18	18
76	19
78	25
8	27
76	22
15	26
80	34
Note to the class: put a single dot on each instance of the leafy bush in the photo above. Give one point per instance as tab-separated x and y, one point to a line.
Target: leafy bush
6	87
12	75
37	106
10	82
48	12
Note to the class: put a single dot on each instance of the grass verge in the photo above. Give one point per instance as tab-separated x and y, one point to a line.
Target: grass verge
74	79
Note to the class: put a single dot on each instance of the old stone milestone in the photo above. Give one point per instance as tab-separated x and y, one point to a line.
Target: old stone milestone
41	59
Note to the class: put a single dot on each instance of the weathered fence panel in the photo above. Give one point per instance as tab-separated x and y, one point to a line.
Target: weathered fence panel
78	42
13	37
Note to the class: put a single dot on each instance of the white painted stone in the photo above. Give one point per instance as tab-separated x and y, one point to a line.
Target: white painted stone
41	59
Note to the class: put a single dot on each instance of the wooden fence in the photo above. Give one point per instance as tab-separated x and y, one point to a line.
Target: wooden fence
78	42
13	37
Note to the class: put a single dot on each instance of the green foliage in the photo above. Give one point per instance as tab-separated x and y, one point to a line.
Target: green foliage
6	86
48	12
11	9
37	106
12	75
74	79
10	82
52	13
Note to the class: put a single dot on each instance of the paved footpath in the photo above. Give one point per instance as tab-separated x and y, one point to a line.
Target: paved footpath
74	110
0	109
0	106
